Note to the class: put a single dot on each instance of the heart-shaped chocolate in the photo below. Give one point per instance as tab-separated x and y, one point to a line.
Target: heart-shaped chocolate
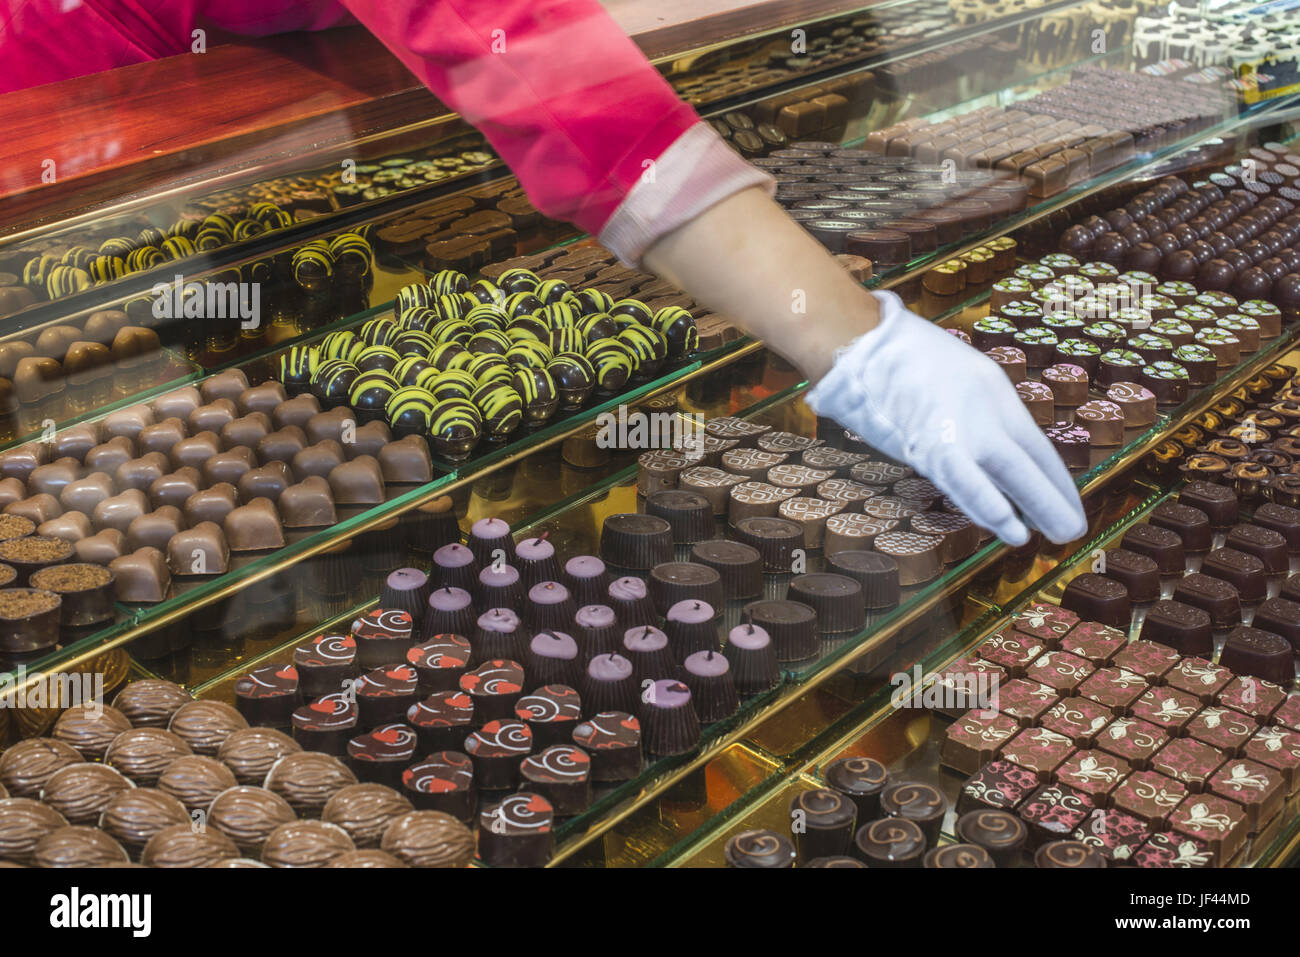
155	529
246	430
161	436
261	398
102	547
211	417
369	439
85	493
142	472
406	461
76	440
282	445
201	550
254	527
359	482
195	450
228	466
179	403
53	477
295	411
109	456
129	422
174	488
309	504
120	510
211	504
269	481
331	425
224	385
70	526
39	508
319	459
142	576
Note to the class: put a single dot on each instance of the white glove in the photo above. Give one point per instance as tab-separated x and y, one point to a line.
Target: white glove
922	396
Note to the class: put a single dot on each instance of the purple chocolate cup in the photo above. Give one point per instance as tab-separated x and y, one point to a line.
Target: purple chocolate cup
550	607
406	589
691	627
753	659
607	684
501	587
596	629
449	610
454	567
669	724
588	579
552	659
487	536
713	692
497	634
647	648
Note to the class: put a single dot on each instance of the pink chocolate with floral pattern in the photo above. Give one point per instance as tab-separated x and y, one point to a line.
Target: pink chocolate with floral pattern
1060	670
1025	700
1168	849
1011	650
1038	750
1167	707
1149	796
974	739
1115	688
1114	834
1222	728
1079	719
1149	659
1217	822
1134	740
1092	640
1200	678
1054	811
1095	773
1256	787
999	784
1288	713
1046	622
1253	696
955	682
1191	762
1280	750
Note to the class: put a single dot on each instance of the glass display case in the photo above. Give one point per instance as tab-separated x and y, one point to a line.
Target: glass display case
249	382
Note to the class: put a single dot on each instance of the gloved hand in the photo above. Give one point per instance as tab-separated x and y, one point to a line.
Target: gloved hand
922	396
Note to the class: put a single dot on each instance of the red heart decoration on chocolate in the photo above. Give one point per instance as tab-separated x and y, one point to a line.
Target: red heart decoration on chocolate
460	701
289	672
388	735
539	804
323	706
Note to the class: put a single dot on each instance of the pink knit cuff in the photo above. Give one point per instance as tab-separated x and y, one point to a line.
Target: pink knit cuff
696	172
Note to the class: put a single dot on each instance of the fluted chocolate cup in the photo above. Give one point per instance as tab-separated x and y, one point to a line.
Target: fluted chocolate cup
608	685
775	539
406	589
689	515
669	724
791	625
497	634
708	675
587	579
753	659
876	573
596	629
550	606
634	541
837	600
691	627
647	648
674	582
738	565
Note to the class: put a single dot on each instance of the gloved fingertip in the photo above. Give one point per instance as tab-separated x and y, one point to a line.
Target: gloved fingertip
1013	532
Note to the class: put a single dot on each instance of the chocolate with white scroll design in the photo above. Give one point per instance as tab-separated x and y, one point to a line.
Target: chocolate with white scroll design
383	623
500	739
786	442
835	460
889	506
390	742
561	763
1104	421
879	473
848	492
797	476
728	427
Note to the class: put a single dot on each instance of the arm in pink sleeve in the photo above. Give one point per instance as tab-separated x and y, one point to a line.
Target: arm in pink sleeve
594	133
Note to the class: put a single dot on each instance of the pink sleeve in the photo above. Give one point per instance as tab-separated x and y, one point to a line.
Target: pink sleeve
570	104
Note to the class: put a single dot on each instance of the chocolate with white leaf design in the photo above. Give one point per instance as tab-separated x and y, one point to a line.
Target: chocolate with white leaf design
1197	677
1189	761
1220	824
974	739
1167	849
1046	622
1222	728
1256	787
1134	740
1059	670
1094	772
1149	796
1114	834
1079	719
1038	750
999	784
1011	650
1054	811
1025	700
1278	749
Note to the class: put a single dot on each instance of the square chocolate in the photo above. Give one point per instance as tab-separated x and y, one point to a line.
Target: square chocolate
1149	659
1134	740
1059	670
1038	750
1024	700
1114	834
1279	749
1219	823
1149	796
959	684
1097	642
1095	773
1115	688
1253	696
1167	707
1258	788
1192	762
1167	849
975	739
1287	714
1079	719
1046	622
1000	785
1200	678
1053	812
1222	728
1011	650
